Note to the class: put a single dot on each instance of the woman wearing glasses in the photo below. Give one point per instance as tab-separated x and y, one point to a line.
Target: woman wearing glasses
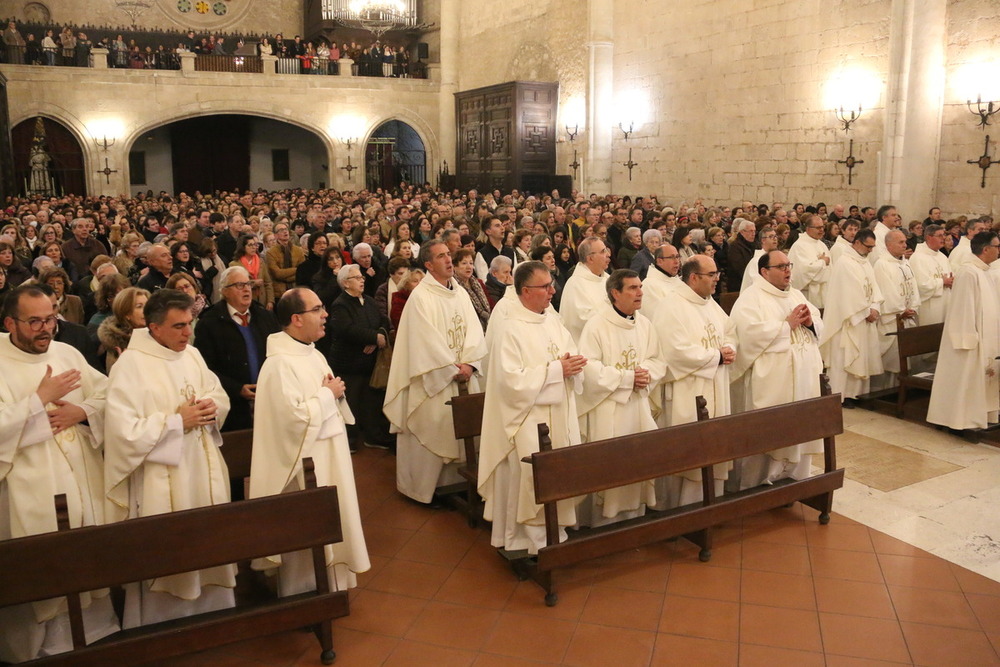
248	256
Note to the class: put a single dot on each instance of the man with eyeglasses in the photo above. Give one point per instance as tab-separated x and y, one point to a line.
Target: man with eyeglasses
51	435
811	258
698	343
933	274
850	340
439	343
900	298
232	338
161	451
768	242
965	395
301	411
661	279
534	373
584	291
624	366
778	362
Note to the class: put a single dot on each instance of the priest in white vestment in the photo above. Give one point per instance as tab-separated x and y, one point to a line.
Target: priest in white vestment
962	253
161	450
499	318
698	343
51	435
533	378
900	298
966	391
848	230
438	343
850	339
624	365
887	219
778	362
768	242
933	275
661	279
584	292
300	412
811	259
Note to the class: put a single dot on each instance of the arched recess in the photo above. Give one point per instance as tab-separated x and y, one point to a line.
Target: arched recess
394	152
226	151
48	158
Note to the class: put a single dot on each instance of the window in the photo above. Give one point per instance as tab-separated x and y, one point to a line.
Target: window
279	165
137	168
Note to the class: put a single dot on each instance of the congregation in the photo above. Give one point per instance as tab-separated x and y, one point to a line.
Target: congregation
144	50
326	321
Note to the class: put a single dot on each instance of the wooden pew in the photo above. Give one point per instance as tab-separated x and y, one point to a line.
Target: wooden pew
914	341
69	562
467	418
237	447
571	472
727	300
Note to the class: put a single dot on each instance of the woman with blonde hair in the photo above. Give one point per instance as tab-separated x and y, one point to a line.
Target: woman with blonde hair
124	259
126	315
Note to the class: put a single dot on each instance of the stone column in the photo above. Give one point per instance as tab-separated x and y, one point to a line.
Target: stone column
345	67
187	61
447	126
600	98
908	169
97	183
268	64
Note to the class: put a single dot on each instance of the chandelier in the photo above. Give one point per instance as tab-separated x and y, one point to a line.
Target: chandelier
375	16
133	8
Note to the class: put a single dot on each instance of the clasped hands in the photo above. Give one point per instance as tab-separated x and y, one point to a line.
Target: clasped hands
197	413
799	316
51	390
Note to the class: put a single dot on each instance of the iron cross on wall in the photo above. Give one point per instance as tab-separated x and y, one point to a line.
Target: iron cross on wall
107	171
984	161
851	162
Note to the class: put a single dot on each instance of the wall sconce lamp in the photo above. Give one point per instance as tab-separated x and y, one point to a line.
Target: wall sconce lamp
630	130
349	142
984	114
104	143
848	118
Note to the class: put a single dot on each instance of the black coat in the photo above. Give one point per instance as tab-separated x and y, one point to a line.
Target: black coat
218	338
352	326
75	335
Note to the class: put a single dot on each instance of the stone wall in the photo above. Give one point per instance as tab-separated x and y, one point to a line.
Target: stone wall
736	99
127	104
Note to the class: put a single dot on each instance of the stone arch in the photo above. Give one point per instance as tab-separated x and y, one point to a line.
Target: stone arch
418	125
196	110
65	169
393	153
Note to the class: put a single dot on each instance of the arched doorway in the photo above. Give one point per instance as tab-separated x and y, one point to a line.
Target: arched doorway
394	153
48	160
227	152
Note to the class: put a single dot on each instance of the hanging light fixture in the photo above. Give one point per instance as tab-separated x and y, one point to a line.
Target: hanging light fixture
376	16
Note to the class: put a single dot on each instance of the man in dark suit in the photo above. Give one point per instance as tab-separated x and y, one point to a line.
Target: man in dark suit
232	338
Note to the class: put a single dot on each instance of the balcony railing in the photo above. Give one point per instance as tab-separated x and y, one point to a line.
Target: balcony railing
213	63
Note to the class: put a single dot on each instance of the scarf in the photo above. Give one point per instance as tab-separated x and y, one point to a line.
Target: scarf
252	265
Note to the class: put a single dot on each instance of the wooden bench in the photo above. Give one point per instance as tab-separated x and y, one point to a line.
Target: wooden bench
69	562
571	472
912	342
237	450
727	300
467	418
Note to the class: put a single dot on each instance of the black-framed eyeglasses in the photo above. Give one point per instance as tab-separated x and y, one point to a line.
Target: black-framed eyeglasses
318	309
546	286
781	267
240	285
38	323
710	274
870	247
670	256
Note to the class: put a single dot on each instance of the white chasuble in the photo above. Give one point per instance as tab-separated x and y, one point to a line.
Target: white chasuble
840	246
899	293
35	466
812	271
525	387
930	268
296	417
582	297
966	391
692	330
610	406
439	330
849	344
776	364
655	288
154	466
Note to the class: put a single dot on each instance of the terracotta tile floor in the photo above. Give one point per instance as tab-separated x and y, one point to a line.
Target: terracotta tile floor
780	590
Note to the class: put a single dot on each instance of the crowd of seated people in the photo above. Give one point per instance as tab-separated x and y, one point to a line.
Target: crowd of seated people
43	45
